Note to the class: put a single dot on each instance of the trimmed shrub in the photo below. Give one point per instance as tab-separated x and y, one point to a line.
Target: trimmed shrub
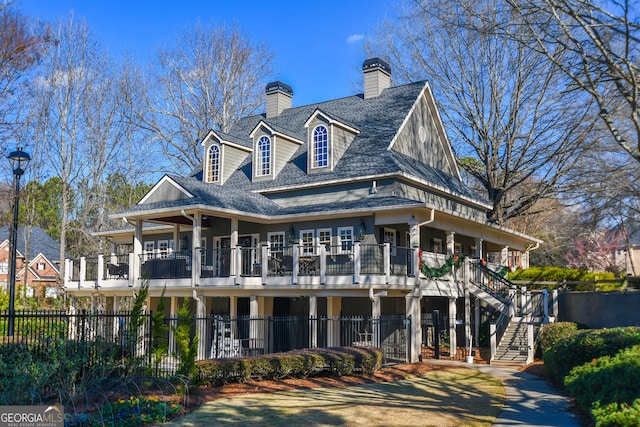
294	364
585	346
552	334
617	414
557	274
605	381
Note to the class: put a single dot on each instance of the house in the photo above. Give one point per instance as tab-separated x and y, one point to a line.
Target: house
320	211
37	267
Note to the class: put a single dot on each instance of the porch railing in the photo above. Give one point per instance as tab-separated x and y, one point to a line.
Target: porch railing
321	261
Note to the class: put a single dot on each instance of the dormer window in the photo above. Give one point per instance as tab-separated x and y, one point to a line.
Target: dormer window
320	147
213	171
263	160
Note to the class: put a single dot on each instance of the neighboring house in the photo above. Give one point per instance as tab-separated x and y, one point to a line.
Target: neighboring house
42	272
321	210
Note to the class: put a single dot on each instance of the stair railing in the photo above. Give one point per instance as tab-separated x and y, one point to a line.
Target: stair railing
501	292
497	329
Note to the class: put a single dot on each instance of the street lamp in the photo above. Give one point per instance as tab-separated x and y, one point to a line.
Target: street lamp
19	160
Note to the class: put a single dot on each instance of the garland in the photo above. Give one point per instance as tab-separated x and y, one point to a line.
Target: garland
453	261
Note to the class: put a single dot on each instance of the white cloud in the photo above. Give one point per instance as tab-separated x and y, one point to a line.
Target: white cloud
354	38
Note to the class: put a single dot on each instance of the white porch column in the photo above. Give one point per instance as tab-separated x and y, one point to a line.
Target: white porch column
112	256
467	307
504	256
479	243
453	313
235	269
196	261
357	262
201	327
233	306
100	270
116	323
387	261
137	253
334	305
414	243
313	315
476	332
451	243
413	309
176	238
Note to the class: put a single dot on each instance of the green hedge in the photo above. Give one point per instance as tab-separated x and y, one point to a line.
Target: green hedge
609	388
585	346
295	364
557	274
553	333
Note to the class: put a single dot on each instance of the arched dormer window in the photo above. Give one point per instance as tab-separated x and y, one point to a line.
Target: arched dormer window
263	160
320	147
213	171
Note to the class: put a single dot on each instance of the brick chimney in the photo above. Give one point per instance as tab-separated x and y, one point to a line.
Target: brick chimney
279	97
377	77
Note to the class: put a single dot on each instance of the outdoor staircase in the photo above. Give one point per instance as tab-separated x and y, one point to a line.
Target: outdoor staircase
513	349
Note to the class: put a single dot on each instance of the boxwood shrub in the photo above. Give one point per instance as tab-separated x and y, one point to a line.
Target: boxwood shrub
294	364
608	387
552	334
586	345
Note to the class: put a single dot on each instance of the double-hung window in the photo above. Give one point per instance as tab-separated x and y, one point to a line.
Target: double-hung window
324	238
345	236
389	235
306	241
276	244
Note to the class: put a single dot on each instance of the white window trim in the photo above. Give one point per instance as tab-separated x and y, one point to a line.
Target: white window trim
313	146
437	242
149	248
393	233
208	169
340	249
305	249
258	158
330	242
281	234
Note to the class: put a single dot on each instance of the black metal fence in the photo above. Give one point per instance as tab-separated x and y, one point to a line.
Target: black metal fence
218	336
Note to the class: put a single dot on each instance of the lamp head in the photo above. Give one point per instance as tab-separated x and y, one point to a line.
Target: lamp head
19	160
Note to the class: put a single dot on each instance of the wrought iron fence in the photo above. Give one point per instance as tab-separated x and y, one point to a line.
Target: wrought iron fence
124	337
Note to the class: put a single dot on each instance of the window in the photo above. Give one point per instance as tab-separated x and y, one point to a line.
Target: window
324	238
51	292
437	246
30	292
40	266
4	267
276	244
264	157
306	240
149	247
164	248
389	236
345	234
213	171
458	248
320	148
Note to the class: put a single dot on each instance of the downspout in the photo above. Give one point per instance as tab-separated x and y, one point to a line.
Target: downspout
417	293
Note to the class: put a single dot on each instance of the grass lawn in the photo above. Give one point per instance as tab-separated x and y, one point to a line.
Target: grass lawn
453	397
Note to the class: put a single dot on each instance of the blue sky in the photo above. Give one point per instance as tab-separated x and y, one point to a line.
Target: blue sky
317	45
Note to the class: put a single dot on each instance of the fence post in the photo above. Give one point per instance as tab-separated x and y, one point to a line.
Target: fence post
436	334
530	343
545	305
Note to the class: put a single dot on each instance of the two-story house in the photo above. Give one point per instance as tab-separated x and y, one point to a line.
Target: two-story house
37	264
321	211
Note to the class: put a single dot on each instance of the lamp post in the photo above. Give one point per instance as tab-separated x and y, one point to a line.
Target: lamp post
19	160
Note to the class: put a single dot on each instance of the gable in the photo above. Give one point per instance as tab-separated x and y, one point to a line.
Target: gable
165	190
422	136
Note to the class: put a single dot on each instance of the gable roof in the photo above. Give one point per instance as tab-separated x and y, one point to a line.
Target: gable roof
41	242
368	156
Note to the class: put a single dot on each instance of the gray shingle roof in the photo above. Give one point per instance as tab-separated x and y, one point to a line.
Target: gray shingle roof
40	242
378	119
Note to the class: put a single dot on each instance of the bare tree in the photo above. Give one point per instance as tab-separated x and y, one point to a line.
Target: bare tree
77	128
596	44
515	129
213	76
